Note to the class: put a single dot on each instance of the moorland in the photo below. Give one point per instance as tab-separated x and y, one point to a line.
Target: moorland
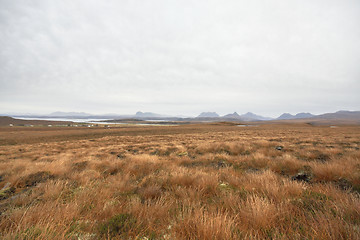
278	180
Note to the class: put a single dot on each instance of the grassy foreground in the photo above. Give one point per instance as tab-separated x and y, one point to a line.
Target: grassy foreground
209	181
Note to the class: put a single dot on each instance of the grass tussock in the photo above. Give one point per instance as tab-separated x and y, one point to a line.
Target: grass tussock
189	182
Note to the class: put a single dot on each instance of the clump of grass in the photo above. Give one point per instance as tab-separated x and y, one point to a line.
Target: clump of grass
32	232
230	148
120	226
286	165
34	178
312	201
258	213
150	192
203	225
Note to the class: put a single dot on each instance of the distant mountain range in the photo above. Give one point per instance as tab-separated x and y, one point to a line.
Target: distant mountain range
297	116
249	116
252	116
148	115
340	115
208	115
233	115
344	115
204	116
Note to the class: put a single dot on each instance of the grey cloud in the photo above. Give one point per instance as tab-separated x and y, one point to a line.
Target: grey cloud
179	57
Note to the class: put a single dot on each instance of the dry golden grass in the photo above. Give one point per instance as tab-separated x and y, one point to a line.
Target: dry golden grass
207	181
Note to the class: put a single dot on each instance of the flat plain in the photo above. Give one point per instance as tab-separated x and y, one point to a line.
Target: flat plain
196	181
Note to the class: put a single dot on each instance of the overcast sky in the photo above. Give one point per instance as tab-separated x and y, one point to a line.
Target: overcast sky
179	57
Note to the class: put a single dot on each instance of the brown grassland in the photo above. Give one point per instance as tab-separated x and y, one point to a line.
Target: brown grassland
197	181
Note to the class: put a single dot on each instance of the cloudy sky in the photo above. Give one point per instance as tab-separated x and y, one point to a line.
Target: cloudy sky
179	57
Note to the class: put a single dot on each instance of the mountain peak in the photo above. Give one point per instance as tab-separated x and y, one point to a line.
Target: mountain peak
249	116
232	115
285	116
140	114
208	115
